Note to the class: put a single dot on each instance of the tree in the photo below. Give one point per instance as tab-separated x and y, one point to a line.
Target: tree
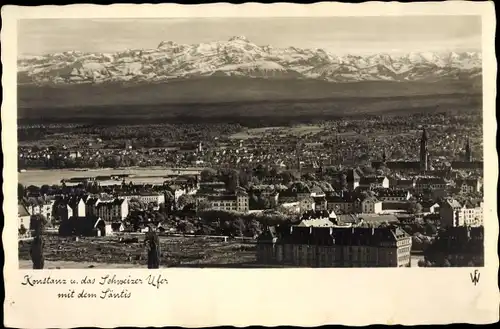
37	246
446	263
22	230
343	181
203	205
185	200
153	249
418	208
430	229
208	175
20	191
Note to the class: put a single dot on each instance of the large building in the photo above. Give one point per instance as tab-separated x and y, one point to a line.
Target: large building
454	213
238	201
334	247
146	198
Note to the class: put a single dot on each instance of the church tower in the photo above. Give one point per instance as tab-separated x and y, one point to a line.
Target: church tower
468	151
299	165
424	155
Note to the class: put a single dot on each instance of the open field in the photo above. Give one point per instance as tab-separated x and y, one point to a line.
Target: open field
108	253
54	176
298	130
176	251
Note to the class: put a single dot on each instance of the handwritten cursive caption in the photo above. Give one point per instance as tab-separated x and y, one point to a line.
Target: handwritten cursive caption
101	287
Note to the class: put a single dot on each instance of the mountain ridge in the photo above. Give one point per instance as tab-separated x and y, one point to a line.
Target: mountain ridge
239	57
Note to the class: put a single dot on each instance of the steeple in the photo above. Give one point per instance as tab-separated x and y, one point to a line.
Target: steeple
424	156
299	165
424	136
468	151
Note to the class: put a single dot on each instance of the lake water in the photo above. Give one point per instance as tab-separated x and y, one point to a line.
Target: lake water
54	176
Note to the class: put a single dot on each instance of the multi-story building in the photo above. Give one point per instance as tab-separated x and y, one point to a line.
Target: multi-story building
294	193
43	207
374	182
23	218
430	184
334	247
470	185
346	203
77	205
393	195
112	210
404	184
371	205
146	198
454	213
238	201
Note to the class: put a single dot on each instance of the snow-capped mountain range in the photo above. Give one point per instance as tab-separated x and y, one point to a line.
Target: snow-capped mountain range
240	57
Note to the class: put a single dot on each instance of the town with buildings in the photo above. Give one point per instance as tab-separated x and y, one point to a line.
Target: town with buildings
383	212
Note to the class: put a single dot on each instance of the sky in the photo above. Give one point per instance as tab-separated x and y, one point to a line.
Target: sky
340	35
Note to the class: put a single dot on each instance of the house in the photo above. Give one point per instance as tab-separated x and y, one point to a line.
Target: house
61	210
23	220
376	219
404	184
430	207
345	203
470	185
146	198
371	205
77	205
466	165
454	213
374	182
40	206
309	246
353	178
85	226
393	195
317	218
424	184
320	203
316	191
296	192
238	201
306	204
112	210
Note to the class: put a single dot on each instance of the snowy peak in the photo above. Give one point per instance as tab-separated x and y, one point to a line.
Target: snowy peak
237	56
238	38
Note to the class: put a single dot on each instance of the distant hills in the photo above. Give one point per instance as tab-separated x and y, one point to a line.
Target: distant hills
237	70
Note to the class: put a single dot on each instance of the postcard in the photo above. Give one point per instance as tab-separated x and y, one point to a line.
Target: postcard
252	164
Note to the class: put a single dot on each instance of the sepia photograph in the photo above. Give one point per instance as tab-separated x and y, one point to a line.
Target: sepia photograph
214	162
250	142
